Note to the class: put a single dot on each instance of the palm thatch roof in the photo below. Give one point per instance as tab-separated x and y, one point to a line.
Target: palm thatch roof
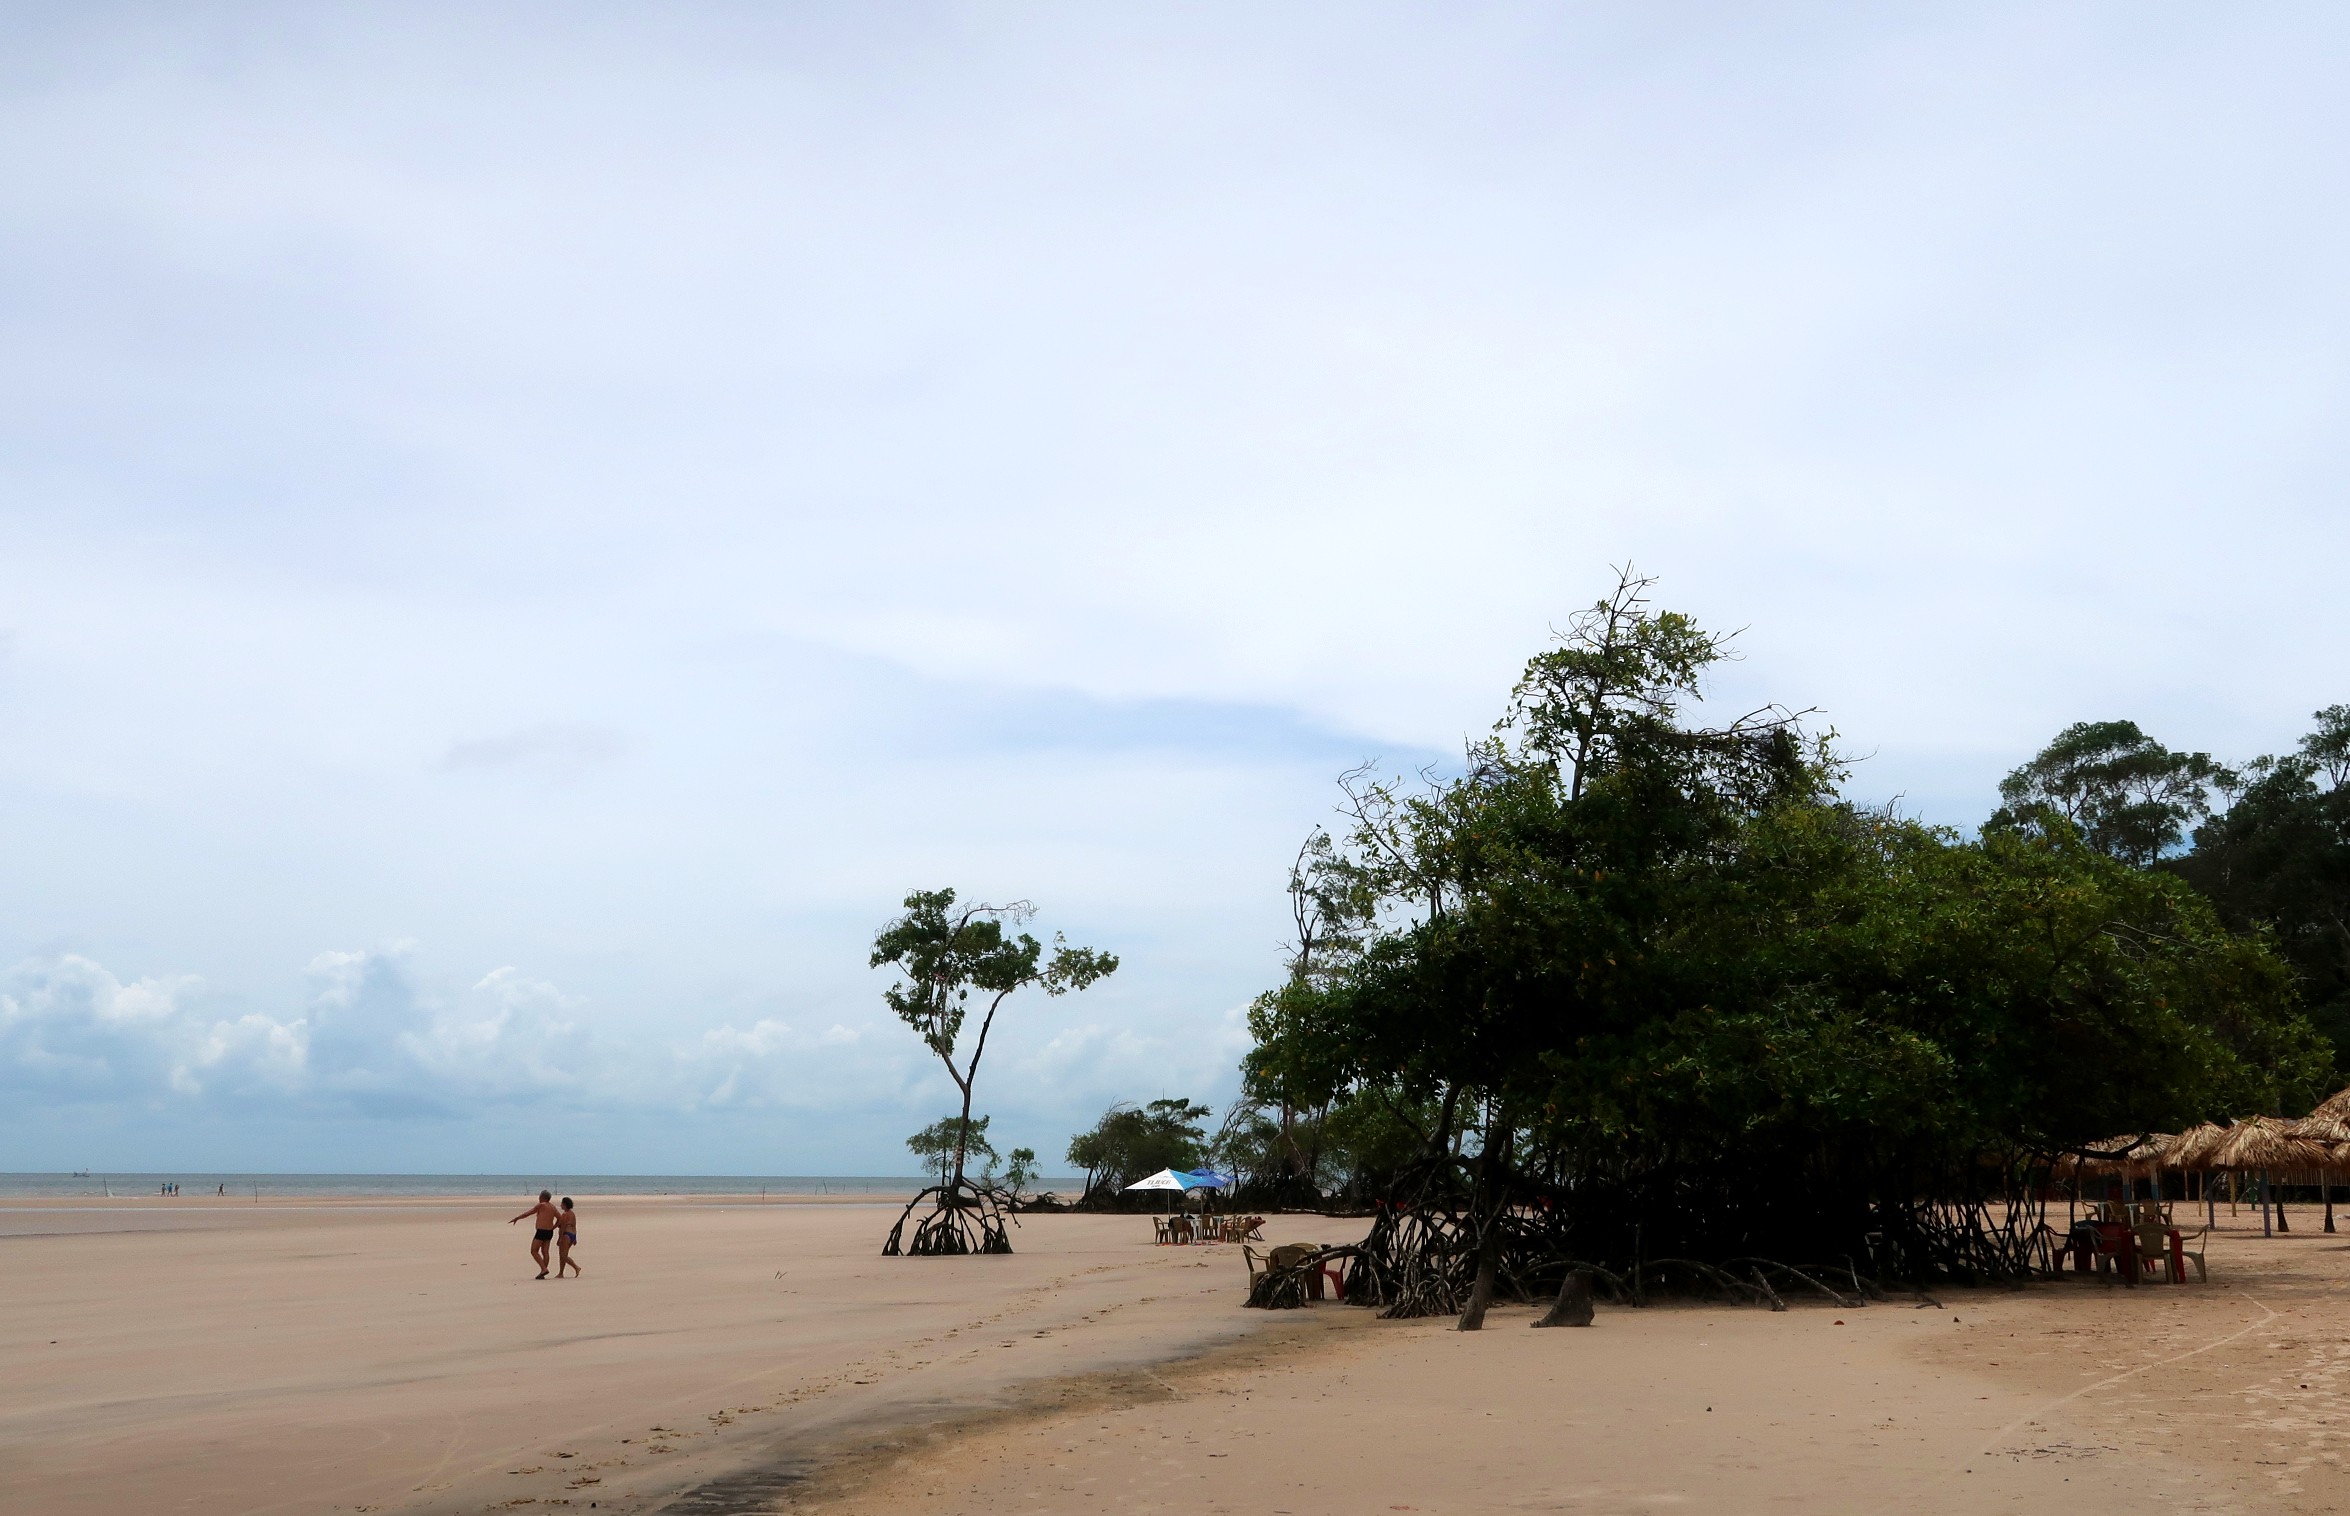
2265	1142
2194	1147
2331	1133
2334	1107
2129	1153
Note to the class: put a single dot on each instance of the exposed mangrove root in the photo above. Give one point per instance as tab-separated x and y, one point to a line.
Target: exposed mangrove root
965	1216
1421	1261
1617	1289
2000	1238
1289	1286
1721	1281
1278	1290
1773	1268
1724	1235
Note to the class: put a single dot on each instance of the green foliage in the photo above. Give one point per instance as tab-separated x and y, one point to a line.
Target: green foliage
1370	1136
2278	861
946	955
1129	1144
2125	793
1247	1143
1020	1171
1862	979
952	1139
1512	907
1352	1147
1659	970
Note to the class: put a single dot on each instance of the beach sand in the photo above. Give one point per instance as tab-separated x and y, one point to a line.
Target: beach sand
202	1356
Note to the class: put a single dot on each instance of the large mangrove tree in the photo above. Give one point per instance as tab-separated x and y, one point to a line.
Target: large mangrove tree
1647	988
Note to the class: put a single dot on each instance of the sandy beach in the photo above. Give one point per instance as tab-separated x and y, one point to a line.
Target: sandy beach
726	1356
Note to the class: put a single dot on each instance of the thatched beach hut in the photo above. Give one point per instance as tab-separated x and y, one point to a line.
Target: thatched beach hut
2193	1148
2192	1151
2334	1107
2130	1156
2262	1144
2332	1134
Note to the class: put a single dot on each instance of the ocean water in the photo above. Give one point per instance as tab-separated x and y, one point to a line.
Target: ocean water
526	1186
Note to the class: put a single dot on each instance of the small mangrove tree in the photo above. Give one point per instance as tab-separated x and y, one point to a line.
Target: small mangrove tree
946	956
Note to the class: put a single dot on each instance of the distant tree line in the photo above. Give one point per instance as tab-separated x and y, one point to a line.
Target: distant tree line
2267	841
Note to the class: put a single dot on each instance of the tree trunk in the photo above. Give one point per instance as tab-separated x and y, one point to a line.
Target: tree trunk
1488	1260
1573	1307
1443	1139
1491	1165
970	1077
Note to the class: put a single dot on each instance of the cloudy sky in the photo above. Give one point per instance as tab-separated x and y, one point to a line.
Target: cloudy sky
524	530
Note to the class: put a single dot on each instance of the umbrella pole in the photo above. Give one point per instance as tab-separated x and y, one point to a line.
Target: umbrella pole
2325	1182
2266	1229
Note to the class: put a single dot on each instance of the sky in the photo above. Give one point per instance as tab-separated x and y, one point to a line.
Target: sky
526	530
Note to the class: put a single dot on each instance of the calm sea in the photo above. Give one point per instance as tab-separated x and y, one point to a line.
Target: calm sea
527	1185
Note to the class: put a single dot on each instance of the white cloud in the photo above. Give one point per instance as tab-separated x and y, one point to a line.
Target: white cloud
72	1031
368	1040
372	1040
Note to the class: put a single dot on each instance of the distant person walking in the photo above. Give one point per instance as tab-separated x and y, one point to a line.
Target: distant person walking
543	1217
567	1239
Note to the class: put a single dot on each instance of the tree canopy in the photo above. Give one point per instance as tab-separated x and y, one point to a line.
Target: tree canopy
2278	861
945	955
1658	971
2124	792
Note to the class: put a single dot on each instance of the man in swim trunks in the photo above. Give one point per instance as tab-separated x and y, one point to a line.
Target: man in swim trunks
543	1217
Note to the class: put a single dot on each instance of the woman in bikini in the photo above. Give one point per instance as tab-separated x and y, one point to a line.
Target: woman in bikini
567	1239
